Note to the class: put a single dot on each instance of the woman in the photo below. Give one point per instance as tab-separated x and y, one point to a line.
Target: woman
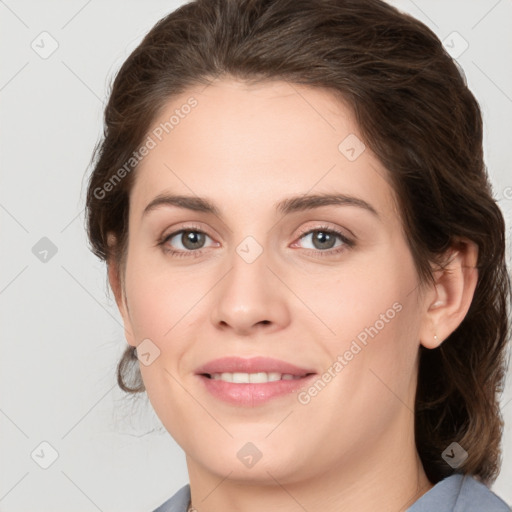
302	241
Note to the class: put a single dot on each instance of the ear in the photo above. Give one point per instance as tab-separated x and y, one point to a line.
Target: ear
448	301
116	283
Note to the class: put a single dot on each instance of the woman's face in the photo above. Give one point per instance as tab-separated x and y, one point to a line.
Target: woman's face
267	275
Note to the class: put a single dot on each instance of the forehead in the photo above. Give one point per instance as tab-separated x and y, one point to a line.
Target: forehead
252	145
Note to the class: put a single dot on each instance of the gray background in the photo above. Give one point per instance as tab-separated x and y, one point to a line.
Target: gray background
62	335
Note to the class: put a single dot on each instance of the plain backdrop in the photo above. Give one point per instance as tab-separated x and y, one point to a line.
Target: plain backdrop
61	333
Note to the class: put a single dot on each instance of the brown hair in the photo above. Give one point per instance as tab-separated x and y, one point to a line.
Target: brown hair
414	111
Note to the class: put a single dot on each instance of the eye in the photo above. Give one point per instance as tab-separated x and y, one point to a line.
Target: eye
324	239
188	240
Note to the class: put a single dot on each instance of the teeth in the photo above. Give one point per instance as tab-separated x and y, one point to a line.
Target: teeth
253	378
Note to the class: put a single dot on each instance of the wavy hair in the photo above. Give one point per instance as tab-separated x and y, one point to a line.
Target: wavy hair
415	112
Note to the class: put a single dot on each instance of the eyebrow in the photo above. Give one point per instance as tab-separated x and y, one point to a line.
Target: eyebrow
286	206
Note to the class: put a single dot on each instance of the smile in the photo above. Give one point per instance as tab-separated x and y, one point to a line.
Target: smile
253	378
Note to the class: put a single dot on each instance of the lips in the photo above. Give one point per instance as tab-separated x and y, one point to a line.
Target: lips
252	365
252	382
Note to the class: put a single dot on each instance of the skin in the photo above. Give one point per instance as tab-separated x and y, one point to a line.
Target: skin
352	446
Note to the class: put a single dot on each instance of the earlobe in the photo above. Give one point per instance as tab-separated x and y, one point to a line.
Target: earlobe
451	295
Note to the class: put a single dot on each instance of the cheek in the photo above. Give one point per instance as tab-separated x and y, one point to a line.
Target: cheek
159	300
360	298
371	357
373	315
150	310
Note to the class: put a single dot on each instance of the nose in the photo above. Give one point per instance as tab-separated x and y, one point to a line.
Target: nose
250	297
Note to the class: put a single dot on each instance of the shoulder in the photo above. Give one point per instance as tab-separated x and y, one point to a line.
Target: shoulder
459	493
176	503
476	496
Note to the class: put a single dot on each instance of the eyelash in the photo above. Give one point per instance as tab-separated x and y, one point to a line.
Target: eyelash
347	243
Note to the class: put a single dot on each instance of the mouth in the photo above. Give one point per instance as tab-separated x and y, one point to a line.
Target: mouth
253	378
251	382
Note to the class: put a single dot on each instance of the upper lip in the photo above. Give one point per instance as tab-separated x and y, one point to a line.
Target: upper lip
251	365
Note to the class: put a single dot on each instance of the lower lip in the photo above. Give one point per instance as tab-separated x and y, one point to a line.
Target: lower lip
250	395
